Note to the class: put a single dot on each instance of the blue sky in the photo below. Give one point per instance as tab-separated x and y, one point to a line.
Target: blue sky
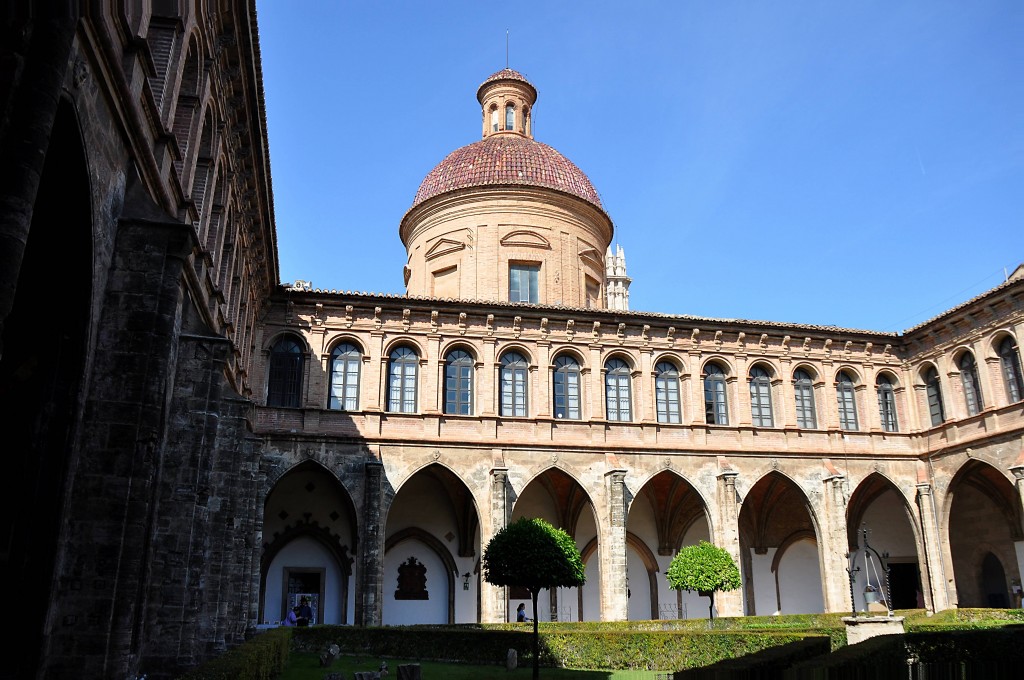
858	164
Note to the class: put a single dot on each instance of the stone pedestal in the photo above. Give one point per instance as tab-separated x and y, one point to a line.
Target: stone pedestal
861	628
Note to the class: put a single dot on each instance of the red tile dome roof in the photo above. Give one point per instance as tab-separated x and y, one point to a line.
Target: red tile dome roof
505	74
506	160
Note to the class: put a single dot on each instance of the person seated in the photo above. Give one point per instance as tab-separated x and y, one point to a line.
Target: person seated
521	613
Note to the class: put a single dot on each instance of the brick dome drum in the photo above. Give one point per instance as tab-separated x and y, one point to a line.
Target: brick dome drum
506	160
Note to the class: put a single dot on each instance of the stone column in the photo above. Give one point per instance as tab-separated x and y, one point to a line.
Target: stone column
370	590
541	406
646	408
727	537
612	549
835	546
697	415
933	568
494	599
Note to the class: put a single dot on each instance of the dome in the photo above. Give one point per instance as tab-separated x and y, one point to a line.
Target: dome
506	160
504	74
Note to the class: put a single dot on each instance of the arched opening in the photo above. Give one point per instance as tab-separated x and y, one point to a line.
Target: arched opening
878	506
983	517
310	537
993	582
666	514
781	573
431	551
559	499
42	373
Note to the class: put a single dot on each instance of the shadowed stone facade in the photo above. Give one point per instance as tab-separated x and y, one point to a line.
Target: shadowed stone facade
197	445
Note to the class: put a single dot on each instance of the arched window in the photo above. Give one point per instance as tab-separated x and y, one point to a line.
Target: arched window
510	117
934	391
616	390
513	385
666	392
525	119
1009	357
846	402
403	364
760	397
971	384
343	393
803	393
458	383
886	403
715	407
567	388
284	384
494	119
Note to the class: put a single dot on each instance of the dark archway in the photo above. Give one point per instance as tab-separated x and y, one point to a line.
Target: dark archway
42	374
982	518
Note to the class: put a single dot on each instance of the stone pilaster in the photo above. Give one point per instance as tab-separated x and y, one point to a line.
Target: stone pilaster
614	595
835	546
370	584
1017	471
933	567
493	599
728	537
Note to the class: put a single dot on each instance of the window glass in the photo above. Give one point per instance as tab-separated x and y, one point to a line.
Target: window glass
402	368
715	411
458	383
666	392
513	385
494	119
523	280
846	402
760	397
616	390
567	388
934	392
803	389
284	384
343	393
886	403
510	117
970	383
1009	357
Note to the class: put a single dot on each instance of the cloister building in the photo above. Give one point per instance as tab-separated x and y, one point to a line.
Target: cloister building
202	444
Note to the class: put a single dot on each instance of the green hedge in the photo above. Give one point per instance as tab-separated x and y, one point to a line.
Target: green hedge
566	645
261	658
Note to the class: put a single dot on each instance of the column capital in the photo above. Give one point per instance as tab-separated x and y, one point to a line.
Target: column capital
924	489
1018	472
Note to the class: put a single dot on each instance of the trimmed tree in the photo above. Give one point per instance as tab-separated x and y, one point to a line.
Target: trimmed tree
532	554
705	568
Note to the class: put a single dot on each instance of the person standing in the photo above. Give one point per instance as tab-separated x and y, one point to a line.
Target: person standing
521	613
305	616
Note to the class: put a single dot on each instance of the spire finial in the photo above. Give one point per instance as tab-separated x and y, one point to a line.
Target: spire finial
506	48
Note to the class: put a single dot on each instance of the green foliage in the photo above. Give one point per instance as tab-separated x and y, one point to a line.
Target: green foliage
261	658
532	554
703	567
767	663
567	645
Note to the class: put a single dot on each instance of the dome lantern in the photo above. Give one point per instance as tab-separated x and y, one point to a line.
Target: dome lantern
506	99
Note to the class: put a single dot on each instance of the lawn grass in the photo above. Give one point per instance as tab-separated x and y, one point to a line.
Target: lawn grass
306	666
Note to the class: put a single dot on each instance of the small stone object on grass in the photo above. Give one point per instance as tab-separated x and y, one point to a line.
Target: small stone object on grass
383	670
329	655
511	660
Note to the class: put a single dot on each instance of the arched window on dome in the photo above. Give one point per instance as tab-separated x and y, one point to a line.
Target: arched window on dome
494	118
510	117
